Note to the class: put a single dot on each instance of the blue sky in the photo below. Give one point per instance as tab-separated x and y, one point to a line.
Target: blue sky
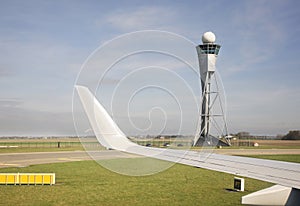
44	43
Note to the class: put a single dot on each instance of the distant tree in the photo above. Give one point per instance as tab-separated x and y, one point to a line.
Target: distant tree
292	135
243	135
279	136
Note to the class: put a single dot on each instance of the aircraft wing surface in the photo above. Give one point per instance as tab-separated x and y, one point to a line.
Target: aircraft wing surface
110	136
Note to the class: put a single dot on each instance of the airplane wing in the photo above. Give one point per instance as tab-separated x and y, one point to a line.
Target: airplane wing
109	135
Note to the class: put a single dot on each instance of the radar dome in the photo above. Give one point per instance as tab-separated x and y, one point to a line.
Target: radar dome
208	37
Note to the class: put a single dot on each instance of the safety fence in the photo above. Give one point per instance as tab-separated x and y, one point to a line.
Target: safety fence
58	144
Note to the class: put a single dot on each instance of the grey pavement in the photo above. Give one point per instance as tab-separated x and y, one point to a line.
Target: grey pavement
34	158
256	151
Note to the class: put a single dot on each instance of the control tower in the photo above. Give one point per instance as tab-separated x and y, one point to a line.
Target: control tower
207	55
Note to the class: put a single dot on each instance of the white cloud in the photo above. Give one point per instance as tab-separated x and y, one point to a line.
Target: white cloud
140	18
260	34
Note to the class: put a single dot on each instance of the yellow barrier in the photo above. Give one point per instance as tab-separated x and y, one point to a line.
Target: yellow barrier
27	178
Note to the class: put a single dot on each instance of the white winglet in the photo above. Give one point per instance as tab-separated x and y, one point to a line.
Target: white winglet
105	129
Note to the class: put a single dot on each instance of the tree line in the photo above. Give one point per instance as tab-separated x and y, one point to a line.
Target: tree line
292	135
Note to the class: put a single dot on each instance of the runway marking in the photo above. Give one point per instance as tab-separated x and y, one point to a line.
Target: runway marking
69	159
63	159
7	164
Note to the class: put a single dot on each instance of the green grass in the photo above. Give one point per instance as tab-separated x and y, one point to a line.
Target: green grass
17	146
80	148
87	183
265	147
39	149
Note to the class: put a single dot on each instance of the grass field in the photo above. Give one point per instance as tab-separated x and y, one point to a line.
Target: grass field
266	144
45	145
40	149
87	183
286	158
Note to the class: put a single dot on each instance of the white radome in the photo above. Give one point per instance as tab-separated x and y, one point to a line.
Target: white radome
208	37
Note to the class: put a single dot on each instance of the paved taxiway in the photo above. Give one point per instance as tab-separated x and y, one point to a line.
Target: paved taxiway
256	151
33	158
